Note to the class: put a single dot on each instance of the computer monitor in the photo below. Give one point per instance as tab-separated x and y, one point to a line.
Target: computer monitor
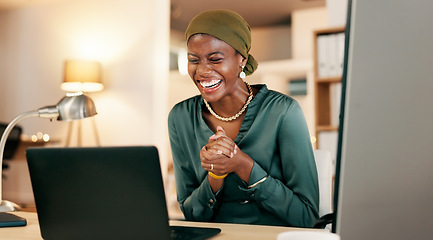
384	175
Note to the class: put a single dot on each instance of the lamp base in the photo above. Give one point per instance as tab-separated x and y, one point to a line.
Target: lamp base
7	206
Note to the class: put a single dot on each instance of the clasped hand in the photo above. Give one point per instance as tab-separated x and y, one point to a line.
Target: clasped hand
220	154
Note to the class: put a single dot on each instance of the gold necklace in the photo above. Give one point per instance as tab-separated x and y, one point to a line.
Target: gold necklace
228	119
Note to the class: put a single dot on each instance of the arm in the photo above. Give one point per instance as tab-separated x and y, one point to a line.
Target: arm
295	198
194	193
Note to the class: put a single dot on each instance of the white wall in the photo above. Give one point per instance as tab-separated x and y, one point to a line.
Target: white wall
121	34
337	12
271	43
304	22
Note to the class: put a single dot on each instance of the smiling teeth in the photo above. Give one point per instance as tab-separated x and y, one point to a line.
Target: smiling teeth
210	84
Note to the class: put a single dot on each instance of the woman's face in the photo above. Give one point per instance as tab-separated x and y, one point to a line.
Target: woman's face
214	66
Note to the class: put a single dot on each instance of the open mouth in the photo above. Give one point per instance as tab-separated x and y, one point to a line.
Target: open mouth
210	84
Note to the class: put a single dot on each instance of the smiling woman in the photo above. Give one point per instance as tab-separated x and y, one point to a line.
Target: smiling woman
241	153
213	65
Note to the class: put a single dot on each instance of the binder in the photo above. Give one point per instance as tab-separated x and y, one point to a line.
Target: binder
322	56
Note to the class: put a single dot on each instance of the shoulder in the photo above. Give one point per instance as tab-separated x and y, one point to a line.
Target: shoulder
274	99
185	107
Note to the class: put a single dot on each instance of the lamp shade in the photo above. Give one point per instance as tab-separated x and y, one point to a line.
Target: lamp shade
75	107
82	76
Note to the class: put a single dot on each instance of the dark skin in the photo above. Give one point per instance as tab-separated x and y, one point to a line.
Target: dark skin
214	66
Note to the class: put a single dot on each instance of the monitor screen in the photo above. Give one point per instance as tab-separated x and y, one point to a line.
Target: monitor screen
384	175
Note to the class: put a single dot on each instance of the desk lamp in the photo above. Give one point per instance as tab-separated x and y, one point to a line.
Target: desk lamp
82	76
71	107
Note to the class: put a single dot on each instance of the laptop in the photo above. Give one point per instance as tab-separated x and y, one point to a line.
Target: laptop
103	193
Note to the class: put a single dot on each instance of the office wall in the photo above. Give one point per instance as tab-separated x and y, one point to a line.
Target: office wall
121	34
386	180
337	10
271	43
304	22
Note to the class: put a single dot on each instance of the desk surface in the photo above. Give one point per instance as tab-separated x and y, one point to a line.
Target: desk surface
228	231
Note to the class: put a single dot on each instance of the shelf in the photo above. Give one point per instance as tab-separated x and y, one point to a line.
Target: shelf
329	80
287	67
330	30
322	128
327	74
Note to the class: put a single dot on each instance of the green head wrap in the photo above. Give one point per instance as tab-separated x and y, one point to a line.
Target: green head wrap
229	27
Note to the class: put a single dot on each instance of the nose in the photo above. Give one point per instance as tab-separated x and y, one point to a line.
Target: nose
203	69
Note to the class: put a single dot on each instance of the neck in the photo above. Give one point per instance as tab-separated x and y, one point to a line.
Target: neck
227	110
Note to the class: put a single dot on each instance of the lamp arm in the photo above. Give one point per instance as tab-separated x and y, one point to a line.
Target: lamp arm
69	108
5	135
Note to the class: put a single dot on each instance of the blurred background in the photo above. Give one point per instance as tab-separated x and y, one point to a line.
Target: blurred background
140	47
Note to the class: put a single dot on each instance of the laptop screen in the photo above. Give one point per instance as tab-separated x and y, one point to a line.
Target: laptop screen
99	193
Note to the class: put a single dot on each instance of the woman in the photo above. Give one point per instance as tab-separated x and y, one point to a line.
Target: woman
241	153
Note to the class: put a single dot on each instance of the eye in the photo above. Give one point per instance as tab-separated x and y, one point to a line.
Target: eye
216	60
193	60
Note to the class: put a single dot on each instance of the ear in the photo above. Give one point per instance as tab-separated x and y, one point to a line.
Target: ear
244	61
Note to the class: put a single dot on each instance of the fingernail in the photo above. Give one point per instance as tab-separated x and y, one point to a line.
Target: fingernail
231	155
219	151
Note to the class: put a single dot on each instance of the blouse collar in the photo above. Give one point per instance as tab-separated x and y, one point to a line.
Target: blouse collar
252	111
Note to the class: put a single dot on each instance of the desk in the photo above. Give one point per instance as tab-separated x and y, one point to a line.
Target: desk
228	231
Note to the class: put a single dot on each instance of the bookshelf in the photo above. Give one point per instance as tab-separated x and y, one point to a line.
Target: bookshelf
328	57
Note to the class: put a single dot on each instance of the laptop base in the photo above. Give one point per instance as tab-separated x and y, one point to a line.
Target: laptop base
192	233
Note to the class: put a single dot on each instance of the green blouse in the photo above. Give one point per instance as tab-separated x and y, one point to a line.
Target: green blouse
275	135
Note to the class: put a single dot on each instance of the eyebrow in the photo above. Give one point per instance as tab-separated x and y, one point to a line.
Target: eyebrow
210	54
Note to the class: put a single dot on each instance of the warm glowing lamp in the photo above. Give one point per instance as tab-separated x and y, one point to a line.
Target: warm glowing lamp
71	107
82	76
